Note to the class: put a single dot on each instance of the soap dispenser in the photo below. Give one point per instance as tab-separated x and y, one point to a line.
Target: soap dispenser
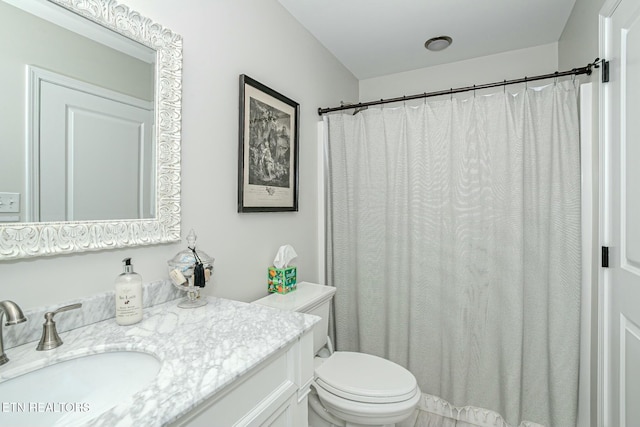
128	295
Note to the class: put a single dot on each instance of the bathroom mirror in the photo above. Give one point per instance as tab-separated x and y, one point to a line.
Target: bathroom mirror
91	128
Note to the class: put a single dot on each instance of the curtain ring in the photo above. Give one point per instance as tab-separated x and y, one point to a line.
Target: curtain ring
526	83
504	87
451	94
425	98
555	79
474	91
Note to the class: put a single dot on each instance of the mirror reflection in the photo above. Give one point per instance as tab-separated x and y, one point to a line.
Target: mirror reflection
77	119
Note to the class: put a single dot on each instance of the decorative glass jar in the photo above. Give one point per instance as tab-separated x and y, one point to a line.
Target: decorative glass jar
189	271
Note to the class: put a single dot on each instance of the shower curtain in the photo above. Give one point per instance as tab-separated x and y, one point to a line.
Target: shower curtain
454	245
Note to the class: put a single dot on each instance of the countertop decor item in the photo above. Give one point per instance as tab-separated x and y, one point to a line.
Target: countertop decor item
189	271
268	151
128	298
281	276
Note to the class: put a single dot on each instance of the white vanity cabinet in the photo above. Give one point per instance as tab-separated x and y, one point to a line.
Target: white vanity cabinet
273	393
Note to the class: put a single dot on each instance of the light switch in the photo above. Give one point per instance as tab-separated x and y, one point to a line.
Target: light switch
10	202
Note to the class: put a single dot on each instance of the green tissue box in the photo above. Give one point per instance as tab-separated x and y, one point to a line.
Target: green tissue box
281	280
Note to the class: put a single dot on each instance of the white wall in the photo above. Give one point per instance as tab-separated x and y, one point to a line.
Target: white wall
222	39
578	43
487	69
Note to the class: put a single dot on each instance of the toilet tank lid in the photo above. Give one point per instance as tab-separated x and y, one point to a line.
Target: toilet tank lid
304	298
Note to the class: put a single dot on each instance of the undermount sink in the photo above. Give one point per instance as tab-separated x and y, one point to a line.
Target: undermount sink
74	391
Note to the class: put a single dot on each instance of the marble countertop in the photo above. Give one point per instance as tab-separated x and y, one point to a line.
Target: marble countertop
201	351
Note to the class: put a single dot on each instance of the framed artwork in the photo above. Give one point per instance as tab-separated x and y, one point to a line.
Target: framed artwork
268	152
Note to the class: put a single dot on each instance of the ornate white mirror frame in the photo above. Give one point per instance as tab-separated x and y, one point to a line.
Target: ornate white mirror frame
22	240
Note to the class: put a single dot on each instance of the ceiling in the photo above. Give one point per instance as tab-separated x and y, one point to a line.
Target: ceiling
378	37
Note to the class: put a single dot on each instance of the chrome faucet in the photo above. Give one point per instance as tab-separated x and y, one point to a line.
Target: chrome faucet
14	316
50	338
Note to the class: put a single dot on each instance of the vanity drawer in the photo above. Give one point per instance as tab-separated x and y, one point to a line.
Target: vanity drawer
254	398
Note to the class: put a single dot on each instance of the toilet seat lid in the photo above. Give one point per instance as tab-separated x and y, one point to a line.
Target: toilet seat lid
365	378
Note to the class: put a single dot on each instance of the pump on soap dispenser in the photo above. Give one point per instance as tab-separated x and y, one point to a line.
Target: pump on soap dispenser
128	295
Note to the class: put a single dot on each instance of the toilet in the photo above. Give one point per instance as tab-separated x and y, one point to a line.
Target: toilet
349	389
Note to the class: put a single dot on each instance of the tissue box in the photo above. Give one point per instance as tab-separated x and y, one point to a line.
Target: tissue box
281	280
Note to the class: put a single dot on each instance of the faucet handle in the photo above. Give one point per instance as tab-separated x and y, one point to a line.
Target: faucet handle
49	315
50	338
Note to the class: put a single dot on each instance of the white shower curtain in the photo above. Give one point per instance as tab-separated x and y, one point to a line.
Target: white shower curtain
454	245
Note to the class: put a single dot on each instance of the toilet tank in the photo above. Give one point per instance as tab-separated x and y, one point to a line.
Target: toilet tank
308	298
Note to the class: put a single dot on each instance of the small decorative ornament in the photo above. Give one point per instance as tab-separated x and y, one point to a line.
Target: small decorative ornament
189	271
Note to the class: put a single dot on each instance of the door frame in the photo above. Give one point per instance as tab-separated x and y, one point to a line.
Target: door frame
604	224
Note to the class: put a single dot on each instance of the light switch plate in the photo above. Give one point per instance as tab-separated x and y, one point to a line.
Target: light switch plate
9	202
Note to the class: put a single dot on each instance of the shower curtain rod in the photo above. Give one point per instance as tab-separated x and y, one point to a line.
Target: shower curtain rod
361	105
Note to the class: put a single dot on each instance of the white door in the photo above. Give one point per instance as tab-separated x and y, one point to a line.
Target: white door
95	157
622	216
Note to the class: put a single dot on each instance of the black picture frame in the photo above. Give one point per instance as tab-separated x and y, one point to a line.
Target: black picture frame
268	149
